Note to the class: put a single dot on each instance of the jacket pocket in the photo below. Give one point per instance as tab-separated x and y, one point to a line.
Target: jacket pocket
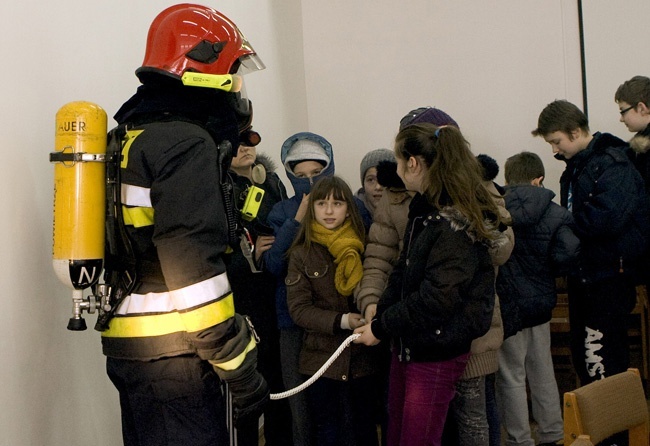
316	271
291	279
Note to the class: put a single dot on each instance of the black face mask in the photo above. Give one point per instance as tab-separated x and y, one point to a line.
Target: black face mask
243	108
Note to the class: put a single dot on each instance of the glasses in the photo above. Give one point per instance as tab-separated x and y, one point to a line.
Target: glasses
625	110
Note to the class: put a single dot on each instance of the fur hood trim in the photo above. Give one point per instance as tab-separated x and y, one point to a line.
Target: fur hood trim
459	222
640	143
266	161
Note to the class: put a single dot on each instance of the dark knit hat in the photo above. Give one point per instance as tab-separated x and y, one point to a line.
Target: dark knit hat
373	158
387	175
489	165
431	115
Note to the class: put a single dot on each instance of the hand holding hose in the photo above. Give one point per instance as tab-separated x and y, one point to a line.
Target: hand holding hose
366	338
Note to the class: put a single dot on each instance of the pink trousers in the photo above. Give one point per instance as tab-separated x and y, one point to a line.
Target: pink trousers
419	394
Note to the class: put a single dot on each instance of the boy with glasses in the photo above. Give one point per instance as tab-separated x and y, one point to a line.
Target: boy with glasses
633	99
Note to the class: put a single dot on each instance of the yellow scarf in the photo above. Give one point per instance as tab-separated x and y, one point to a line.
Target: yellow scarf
346	248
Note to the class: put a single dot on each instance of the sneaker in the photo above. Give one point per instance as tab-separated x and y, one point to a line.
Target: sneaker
553	443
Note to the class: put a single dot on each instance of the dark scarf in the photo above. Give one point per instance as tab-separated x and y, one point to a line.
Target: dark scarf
164	99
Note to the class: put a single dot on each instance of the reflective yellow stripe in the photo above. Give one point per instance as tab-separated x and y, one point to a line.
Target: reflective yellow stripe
137	217
236	362
162	324
130	137
196	320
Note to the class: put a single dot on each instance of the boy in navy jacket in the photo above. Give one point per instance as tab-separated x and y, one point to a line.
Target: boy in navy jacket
606	196
545	247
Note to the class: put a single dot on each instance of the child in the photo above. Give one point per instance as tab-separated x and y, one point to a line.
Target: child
440	295
307	158
633	99
473	418
545	248
386	234
371	190
324	267
253	291
605	194
390	217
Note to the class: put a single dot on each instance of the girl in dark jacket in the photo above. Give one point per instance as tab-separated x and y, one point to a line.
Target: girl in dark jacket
324	267
440	295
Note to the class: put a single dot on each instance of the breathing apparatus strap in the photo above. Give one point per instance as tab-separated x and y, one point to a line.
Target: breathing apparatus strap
224	158
120	263
237	232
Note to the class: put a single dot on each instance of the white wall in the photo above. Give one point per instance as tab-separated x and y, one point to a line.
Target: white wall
346	69
491	65
614	52
54	389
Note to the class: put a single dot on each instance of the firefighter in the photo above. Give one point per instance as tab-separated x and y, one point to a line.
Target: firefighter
175	336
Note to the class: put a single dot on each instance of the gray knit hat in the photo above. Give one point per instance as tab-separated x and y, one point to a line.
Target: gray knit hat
373	158
431	115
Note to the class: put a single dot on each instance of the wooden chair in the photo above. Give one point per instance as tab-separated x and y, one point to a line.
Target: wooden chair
638	331
560	340
560	349
605	407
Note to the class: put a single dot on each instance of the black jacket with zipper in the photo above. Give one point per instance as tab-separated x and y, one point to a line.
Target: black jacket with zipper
440	296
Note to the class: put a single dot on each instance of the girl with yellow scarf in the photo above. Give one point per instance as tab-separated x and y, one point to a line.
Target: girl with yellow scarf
325	266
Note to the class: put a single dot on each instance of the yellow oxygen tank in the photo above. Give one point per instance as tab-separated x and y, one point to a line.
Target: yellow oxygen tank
79	201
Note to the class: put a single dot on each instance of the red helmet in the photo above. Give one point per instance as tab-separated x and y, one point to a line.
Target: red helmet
196	38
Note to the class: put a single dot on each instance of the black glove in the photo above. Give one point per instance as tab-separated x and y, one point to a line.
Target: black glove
250	393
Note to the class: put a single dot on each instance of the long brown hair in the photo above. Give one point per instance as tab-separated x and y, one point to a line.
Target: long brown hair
454	176
339	190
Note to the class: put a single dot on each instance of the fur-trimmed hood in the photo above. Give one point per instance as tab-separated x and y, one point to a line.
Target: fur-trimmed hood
266	161
640	143
459	222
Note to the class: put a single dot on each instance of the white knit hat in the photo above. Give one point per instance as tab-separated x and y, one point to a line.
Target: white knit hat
305	150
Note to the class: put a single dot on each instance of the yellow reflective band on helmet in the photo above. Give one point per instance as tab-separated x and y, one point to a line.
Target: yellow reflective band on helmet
226	82
130	137
161	324
235	362
138	216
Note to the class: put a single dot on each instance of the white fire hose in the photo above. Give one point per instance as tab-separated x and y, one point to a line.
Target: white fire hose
315	376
